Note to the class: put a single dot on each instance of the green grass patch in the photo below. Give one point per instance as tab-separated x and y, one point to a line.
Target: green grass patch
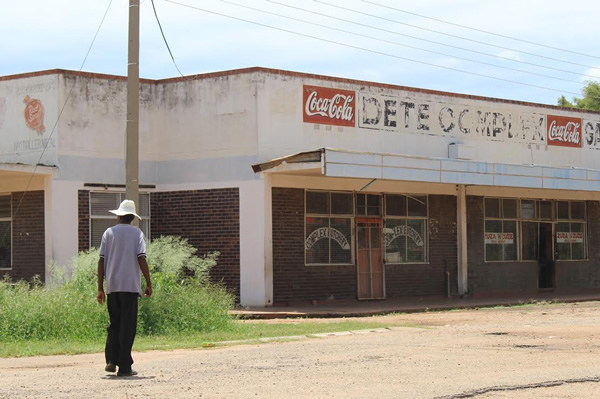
236	331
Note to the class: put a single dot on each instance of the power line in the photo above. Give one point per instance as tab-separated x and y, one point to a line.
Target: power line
480	30
433	41
451	35
165	39
399	44
368	50
60	114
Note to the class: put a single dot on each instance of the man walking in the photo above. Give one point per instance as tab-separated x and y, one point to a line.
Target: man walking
122	261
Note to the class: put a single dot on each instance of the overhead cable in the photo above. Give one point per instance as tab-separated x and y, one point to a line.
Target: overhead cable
368	50
480	30
451	35
433	41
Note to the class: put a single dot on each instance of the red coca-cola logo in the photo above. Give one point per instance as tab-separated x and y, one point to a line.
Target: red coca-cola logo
564	131
329	106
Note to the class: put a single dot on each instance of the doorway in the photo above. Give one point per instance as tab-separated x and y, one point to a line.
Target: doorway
371	276
546	257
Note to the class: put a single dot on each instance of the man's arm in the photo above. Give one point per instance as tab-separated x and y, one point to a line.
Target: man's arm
101	295
146	273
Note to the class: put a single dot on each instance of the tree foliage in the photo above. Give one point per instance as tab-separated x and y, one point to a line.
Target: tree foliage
589	101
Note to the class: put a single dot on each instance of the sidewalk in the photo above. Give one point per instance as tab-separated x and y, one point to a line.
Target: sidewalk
400	305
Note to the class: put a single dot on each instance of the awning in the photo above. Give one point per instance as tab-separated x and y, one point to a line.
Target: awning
352	164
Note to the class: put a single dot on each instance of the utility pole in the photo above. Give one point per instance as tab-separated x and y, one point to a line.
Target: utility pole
133	107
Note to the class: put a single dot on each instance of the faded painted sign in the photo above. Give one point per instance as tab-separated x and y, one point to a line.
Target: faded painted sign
327	232
564	131
499	238
569	237
329	106
34	114
382	112
403	231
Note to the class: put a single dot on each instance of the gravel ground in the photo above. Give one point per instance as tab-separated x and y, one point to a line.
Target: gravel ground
541	351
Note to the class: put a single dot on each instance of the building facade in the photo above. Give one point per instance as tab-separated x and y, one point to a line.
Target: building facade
312	188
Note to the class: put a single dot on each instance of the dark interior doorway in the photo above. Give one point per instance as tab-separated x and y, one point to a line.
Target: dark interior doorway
546	257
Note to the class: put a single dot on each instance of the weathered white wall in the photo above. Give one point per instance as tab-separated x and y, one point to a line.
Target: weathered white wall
35	142
420	124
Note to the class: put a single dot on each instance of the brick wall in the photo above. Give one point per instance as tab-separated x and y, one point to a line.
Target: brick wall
83	220
292	280
28	245
430	278
209	219
583	275
295	282
494	278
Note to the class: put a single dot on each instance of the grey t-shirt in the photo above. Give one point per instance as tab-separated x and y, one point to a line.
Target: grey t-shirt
121	246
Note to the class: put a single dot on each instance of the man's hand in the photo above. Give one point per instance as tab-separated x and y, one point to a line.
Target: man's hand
100	297
148	292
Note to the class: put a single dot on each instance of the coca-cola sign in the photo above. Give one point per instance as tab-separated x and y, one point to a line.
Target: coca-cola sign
564	131
329	106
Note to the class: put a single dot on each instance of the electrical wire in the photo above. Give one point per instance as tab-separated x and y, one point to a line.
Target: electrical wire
398	44
164	38
368	50
451	35
16	212
480	30
433	41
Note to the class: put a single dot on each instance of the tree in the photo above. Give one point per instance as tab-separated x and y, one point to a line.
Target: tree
590	100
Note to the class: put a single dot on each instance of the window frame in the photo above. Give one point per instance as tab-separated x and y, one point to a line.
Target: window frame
406	218
516	219
10	220
538	218
570	221
329	217
112	217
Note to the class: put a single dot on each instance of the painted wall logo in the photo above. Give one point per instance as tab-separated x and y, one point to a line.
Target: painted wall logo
403	230
564	131
327	232
34	114
329	106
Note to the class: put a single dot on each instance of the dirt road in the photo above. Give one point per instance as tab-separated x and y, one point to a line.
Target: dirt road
542	351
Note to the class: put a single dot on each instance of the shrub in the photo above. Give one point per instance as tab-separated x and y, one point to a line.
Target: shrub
184	300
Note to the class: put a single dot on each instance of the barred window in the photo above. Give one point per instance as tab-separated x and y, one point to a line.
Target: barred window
101	219
5	232
405	225
328	227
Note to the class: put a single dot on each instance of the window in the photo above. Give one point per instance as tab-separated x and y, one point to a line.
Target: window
328	227
101	219
501	228
5	232
405	224
570	230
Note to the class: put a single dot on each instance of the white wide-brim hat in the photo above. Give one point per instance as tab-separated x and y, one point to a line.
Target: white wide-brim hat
127	207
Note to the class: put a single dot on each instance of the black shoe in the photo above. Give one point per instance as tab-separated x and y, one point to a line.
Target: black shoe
129	373
110	367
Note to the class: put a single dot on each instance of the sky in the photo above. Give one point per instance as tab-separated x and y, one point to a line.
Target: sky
524	50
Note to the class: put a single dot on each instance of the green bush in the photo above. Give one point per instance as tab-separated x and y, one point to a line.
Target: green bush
184	300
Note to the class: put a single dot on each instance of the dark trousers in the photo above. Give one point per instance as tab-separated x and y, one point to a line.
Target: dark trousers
122	311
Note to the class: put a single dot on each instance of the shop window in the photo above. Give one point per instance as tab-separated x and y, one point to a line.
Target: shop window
405	224
101	218
500	234
570	230
5	232
368	205
328	227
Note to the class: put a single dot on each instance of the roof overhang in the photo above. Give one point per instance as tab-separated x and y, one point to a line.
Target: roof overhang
352	164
